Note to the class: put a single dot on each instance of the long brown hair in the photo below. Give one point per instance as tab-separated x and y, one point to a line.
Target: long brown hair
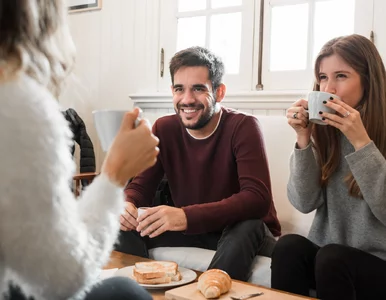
35	39
361	54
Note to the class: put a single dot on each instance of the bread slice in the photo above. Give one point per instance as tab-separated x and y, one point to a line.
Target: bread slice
157	265
177	277
160	280
156	272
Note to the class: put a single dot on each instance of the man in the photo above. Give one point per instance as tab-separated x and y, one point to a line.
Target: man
214	159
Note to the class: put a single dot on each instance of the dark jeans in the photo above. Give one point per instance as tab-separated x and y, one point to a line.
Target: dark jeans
115	288
236	246
336	271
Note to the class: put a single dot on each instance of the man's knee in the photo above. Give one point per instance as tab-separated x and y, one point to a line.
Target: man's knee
247	229
131	242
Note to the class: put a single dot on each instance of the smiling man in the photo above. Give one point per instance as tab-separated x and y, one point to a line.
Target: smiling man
214	159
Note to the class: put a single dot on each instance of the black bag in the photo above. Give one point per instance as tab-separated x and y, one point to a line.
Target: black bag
163	195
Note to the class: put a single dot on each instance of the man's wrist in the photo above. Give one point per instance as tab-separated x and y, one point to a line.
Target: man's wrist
184	220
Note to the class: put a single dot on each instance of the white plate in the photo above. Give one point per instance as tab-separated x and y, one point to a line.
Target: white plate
186	274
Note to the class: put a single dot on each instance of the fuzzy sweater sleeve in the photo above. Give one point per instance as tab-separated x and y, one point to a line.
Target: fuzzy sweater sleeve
51	244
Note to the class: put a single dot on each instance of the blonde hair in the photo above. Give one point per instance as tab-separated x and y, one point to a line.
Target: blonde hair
35	39
362	55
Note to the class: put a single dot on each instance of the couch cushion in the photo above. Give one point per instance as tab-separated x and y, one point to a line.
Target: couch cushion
199	259
280	140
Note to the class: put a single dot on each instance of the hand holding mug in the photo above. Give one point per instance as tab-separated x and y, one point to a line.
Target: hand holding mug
297	116
347	120
132	151
156	220
129	217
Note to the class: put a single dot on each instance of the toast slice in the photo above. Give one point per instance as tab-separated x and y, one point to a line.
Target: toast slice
156	272
177	277
160	280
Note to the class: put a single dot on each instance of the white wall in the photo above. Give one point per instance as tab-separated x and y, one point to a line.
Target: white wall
101	80
380	27
118	55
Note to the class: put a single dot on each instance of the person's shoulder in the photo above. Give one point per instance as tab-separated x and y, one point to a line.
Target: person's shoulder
234	117
168	122
26	94
29	107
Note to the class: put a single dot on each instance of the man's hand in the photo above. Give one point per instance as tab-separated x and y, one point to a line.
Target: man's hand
128	219
157	220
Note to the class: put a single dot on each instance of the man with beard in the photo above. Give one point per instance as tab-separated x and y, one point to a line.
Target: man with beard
215	161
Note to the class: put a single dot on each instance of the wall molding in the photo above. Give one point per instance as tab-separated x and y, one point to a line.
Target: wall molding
261	100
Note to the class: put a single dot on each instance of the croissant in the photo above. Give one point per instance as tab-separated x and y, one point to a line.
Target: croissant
213	283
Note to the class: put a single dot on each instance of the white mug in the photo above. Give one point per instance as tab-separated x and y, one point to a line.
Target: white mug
141	210
107	124
315	105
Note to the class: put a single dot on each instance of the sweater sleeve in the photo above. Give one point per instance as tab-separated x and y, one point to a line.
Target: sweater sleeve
254	199
303	189
368	167
56	244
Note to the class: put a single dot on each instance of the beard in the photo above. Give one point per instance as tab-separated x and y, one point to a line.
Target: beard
206	116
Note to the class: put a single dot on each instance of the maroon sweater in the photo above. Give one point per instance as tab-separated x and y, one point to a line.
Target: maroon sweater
217	181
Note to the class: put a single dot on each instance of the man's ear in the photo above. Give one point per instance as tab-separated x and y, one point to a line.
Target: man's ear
220	92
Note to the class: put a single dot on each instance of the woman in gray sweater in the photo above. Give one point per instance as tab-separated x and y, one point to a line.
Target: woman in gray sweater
339	170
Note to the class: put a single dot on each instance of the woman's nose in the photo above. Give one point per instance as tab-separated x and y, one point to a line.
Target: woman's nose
330	87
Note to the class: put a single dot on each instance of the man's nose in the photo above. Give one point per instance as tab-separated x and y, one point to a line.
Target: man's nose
188	97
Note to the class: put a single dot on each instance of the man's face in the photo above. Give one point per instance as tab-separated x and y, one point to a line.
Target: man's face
193	97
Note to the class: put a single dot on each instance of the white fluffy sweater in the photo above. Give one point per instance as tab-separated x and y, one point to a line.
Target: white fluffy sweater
51	244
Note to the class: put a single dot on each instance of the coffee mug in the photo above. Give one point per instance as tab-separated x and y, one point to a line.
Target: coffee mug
141	210
107	124
315	105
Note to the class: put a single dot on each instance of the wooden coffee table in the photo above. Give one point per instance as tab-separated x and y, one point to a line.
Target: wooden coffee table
120	260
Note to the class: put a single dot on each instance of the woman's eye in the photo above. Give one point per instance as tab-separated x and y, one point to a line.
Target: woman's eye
341	76
322	77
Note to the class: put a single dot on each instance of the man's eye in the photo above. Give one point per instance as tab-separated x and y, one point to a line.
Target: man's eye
177	90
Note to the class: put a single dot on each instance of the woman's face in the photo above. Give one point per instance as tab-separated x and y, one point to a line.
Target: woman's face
339	78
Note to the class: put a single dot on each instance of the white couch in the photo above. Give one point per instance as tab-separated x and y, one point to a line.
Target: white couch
279	142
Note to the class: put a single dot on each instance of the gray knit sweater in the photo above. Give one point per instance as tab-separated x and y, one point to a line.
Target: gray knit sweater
340	218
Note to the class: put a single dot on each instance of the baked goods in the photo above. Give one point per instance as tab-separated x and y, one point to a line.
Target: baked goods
156	272
213	283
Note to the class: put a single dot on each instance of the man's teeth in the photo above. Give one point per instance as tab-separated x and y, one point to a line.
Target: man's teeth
190	110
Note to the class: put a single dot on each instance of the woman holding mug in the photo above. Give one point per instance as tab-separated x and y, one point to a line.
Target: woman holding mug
339	170
53	246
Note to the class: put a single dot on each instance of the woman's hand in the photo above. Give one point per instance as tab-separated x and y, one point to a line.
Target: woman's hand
297	116
348	121
132	151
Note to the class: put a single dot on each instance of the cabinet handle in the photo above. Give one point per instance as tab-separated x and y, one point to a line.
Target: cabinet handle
372	36
162	62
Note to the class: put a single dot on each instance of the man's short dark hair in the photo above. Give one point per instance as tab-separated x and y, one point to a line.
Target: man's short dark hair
196	57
